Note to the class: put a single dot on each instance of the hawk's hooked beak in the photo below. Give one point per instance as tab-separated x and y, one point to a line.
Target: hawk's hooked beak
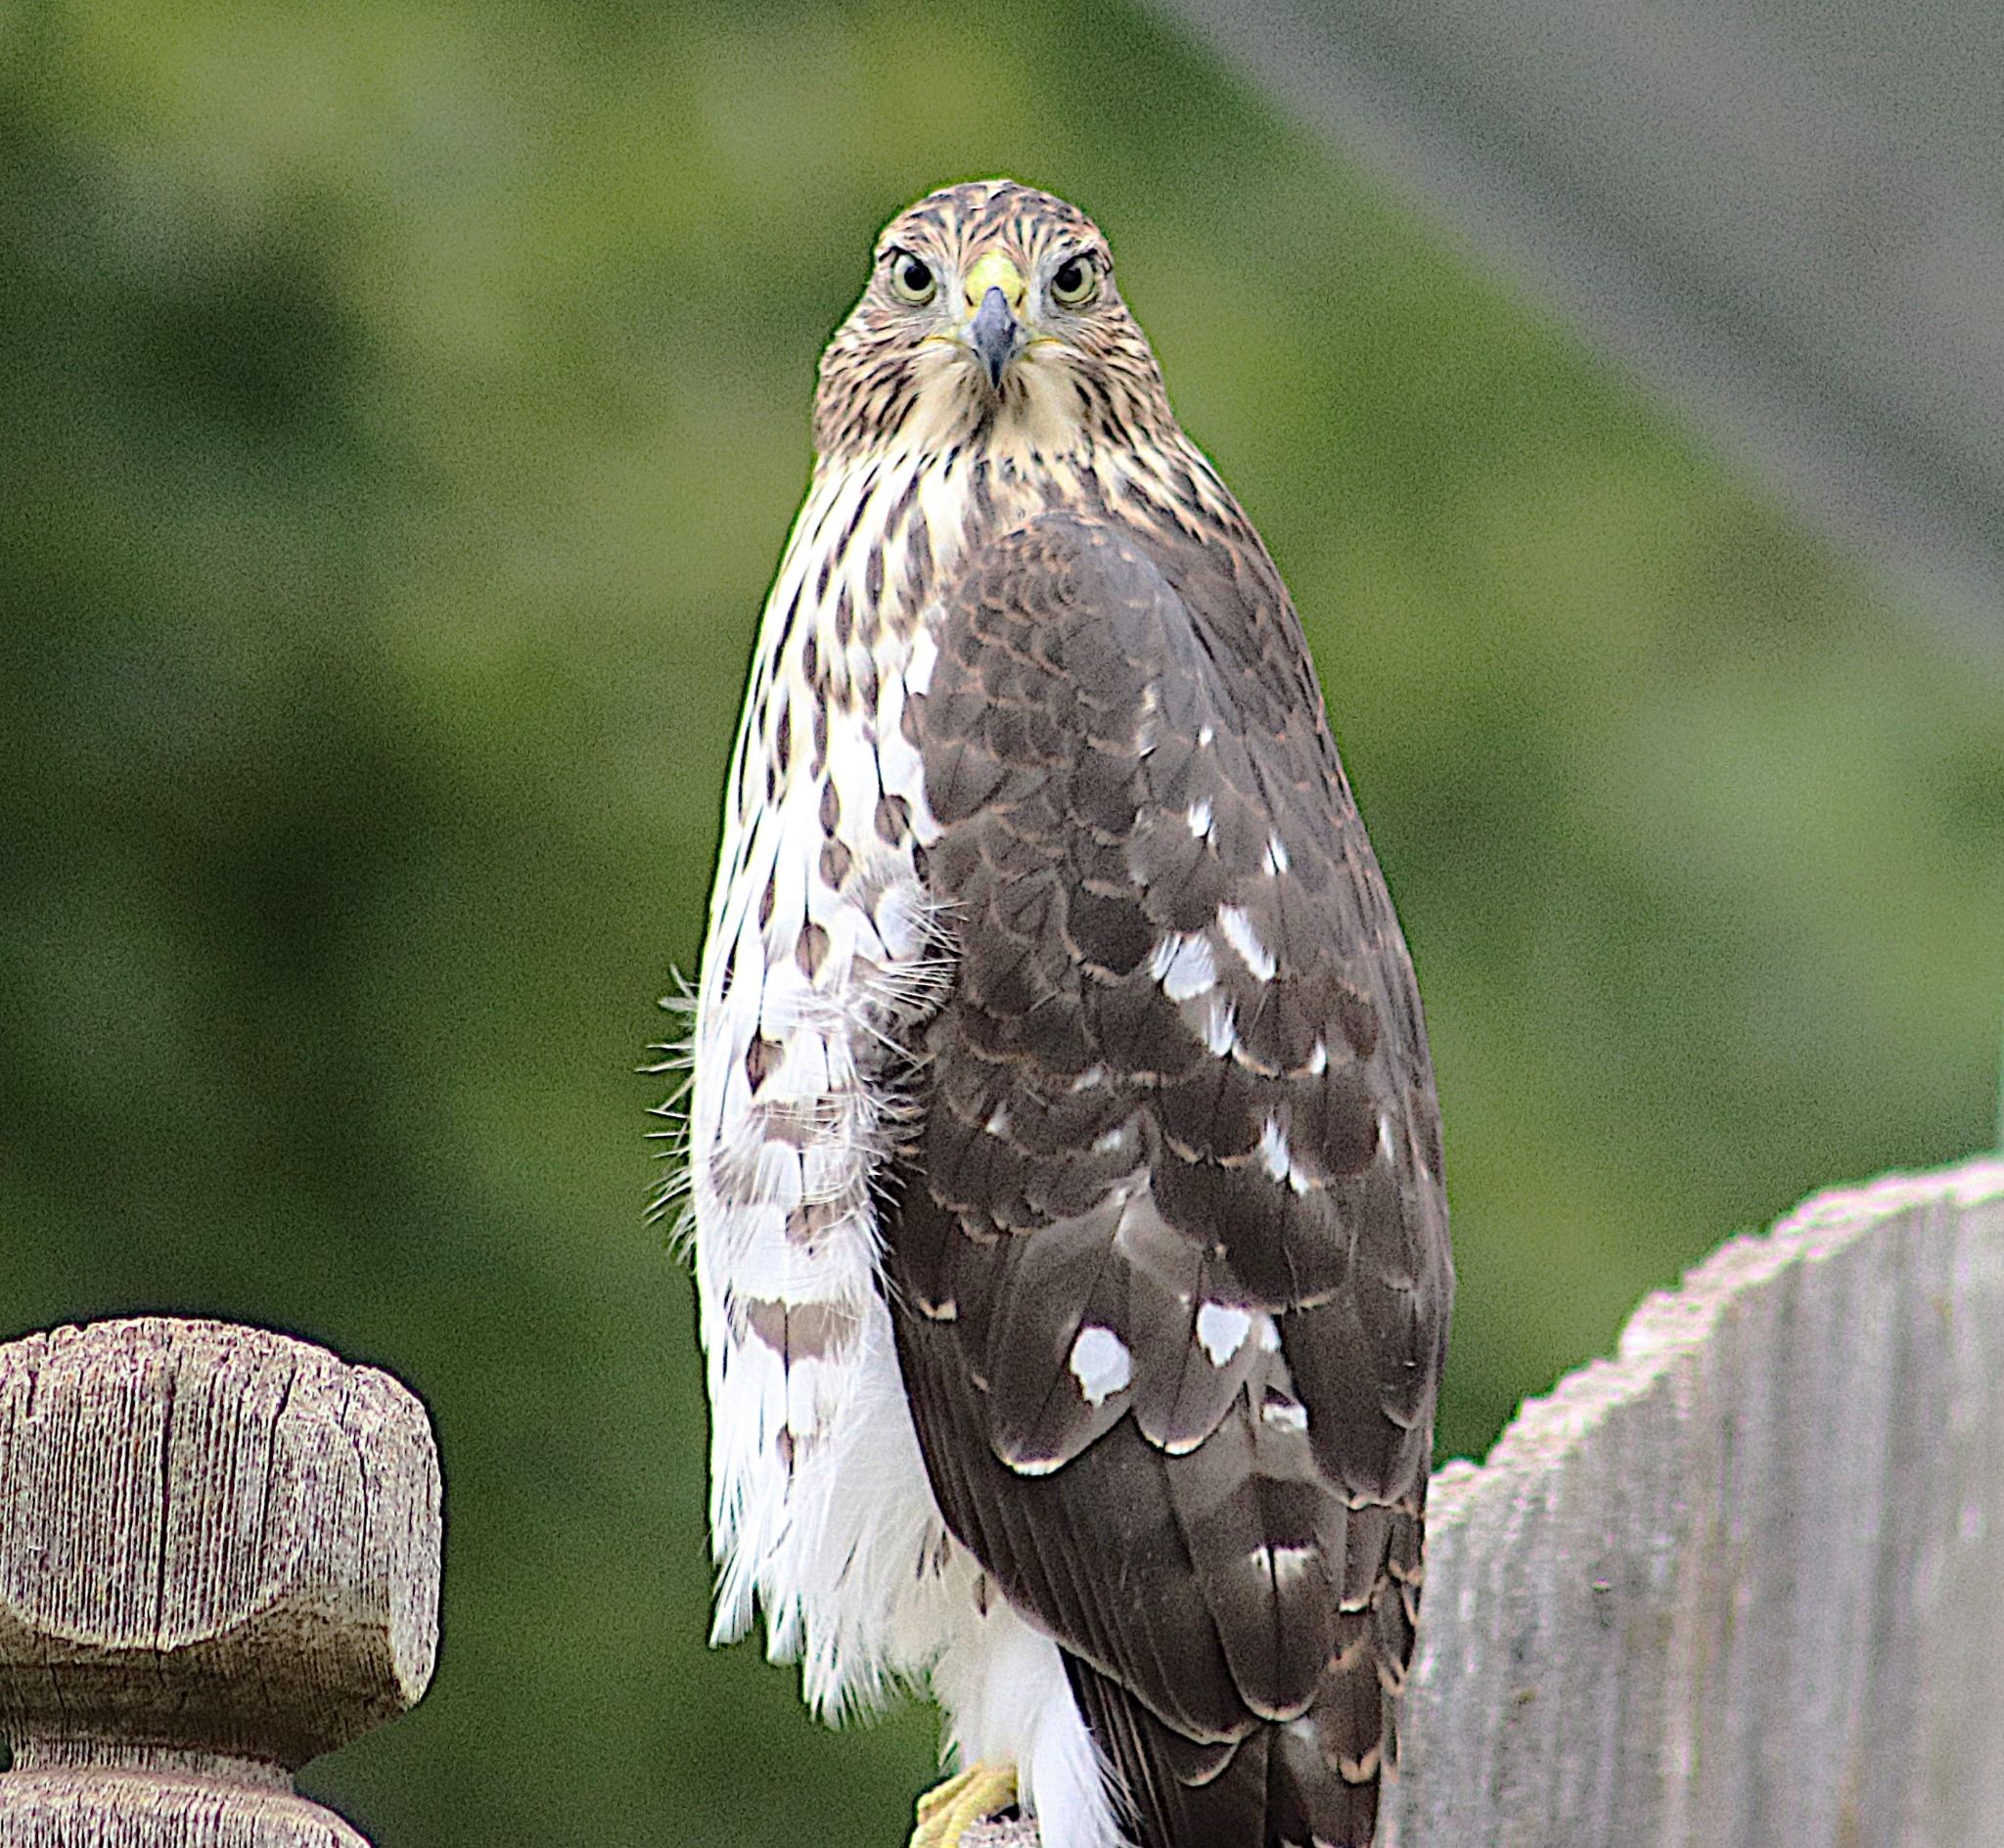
993	334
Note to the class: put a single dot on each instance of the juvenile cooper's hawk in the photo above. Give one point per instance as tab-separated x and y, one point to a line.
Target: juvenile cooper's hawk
1071	1236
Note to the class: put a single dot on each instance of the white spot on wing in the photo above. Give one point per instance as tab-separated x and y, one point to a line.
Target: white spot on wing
1206	735
1220	1024
998	1123
1273	1148
1276	854
1318	1060
1239	935
1267	1334
1144	728
1101	1364
1222	1329
1185	965
1198	817
925	656
1285	1414
1286	1563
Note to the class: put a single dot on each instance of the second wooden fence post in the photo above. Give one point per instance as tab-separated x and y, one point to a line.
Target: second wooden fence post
219	1555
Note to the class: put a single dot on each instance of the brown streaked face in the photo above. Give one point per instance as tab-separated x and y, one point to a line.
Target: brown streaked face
990	319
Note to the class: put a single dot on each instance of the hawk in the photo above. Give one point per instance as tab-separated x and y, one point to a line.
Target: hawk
1071	1239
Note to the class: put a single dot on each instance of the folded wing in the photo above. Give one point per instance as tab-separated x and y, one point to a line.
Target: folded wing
1167	1248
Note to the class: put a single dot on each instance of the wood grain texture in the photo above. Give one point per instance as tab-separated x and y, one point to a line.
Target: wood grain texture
219	1557
156	1809
1739	1585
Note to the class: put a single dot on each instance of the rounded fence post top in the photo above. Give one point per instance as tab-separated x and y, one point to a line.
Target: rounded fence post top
216	1539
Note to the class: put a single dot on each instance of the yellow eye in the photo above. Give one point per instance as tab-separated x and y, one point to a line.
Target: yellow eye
911	279
1074	281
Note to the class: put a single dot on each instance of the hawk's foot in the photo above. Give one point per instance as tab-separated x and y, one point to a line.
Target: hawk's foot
948	1810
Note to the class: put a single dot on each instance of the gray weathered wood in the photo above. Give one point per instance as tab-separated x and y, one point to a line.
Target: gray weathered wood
219	1556
1743	1584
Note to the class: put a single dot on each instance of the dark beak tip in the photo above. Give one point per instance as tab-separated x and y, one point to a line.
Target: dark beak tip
993	334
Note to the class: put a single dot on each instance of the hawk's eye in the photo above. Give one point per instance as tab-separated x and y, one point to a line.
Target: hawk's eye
912	279
1074	283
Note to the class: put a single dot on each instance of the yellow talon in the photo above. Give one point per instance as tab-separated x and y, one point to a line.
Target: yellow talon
948	1810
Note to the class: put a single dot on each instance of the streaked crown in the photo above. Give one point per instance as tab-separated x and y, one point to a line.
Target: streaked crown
991	320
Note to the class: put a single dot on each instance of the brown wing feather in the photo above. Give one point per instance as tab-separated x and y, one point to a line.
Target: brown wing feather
1179	1093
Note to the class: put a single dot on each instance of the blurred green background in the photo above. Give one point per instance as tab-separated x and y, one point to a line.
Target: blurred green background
401	407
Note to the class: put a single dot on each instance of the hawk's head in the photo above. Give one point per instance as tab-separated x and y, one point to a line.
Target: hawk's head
991	320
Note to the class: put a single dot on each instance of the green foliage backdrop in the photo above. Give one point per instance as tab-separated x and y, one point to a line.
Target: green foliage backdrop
401	407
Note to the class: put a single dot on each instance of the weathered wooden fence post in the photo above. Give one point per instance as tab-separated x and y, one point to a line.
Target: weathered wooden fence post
219	1553
1741	1586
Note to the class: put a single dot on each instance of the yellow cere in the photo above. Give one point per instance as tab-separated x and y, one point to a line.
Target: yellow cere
994	270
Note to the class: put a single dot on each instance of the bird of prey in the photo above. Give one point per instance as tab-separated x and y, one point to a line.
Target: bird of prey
1071	1238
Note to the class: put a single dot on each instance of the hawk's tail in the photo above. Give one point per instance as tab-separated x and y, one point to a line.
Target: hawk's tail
1307	1783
